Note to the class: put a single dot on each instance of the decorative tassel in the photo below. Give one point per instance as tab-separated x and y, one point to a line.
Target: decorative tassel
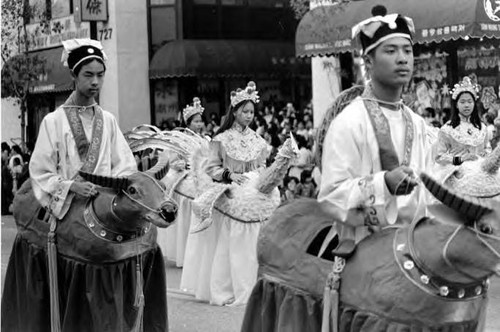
139	299
55	320
330	322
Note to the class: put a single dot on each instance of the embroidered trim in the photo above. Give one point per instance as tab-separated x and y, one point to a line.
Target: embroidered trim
367	189
465	133
102	232
388	156
88	151
244	145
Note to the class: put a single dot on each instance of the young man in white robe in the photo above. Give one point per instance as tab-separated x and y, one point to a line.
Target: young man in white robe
78	130
376	146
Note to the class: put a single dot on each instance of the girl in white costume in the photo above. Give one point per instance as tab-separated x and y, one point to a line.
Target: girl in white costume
172	240
464	137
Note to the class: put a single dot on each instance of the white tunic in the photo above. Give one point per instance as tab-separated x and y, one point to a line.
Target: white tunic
353	180
55	161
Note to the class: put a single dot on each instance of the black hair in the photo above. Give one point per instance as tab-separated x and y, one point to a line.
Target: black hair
187	123
432	111
16	148
5	147
455	116
301	141
229	118
288	179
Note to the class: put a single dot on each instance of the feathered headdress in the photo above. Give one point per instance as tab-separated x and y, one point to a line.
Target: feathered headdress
466	85
191	110
377	29
249	93
77	50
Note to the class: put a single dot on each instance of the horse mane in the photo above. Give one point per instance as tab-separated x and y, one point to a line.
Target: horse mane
342	100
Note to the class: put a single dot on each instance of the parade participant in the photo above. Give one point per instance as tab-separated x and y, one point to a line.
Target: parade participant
172	240
7	194
192	116
235	150
464	137
375	146
81	136
77	130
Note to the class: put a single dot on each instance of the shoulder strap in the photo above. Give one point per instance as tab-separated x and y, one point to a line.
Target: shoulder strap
342	100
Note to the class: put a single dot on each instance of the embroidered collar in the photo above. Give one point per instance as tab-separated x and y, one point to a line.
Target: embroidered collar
239	128
415	271
388	156
242	144
465	133
70	102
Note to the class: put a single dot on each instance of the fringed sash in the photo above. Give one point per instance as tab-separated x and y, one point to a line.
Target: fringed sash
88	151
388	156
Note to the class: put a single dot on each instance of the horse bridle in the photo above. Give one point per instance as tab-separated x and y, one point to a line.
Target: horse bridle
157	211
480	235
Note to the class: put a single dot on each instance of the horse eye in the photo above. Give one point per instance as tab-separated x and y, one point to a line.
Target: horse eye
132	190
486	229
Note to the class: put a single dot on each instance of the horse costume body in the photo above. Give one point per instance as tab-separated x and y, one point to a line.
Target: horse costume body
110	271
429	276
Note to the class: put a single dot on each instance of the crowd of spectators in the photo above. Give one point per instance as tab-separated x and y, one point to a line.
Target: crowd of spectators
14	173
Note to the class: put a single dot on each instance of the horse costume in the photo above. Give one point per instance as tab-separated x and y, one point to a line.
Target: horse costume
429	276
110	271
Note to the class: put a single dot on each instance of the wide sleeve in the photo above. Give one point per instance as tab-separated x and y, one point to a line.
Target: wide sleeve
443	149
214	164
50	188
347	184
485	149
122	159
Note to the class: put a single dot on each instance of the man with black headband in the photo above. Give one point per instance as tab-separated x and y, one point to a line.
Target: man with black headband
375	146
78	135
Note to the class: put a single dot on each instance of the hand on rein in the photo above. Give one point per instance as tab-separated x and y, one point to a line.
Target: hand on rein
85	189
401	180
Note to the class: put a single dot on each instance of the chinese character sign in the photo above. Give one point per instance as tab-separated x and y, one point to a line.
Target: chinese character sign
94	10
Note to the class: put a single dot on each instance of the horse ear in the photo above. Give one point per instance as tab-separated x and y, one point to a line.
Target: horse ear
472	207
106	181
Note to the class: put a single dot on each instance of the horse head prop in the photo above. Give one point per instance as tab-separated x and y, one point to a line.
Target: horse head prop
103	228
136	200
431	275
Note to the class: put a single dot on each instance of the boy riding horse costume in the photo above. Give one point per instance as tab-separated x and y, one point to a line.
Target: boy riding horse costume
431	274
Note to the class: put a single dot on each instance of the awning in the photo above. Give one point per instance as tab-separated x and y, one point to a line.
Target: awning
222	58
56	78
327	29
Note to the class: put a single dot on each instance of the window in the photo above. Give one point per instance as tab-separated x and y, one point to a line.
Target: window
163	23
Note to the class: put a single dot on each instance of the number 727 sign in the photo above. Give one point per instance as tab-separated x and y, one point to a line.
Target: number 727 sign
91	10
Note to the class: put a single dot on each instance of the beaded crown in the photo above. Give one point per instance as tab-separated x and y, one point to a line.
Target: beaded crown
249	93
466	85
191	110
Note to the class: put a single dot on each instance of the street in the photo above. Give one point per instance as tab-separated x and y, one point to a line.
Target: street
186	314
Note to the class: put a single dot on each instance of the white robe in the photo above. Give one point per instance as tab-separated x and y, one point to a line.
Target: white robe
55	160
353	181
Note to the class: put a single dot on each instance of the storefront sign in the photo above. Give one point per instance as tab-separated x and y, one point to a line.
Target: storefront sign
94	10
42	88
58	30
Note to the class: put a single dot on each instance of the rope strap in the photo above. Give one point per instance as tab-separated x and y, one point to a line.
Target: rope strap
55	319
331	297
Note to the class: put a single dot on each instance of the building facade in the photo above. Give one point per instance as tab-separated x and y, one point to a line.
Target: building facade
162	53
